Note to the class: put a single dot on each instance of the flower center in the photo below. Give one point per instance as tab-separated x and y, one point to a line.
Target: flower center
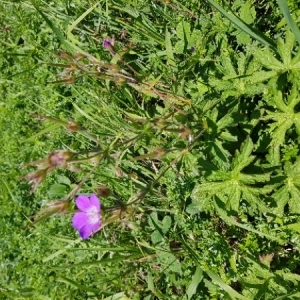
93	215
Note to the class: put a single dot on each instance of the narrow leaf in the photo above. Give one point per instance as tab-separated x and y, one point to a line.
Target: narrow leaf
289	20
197	278
228	289
244	27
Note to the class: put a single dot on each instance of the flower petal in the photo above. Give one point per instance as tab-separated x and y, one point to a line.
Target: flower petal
79	220
96	226
95	201
83	202
86	231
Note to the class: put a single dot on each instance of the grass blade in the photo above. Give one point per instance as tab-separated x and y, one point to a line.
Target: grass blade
289	20
197	278
62	278
245	27
228	289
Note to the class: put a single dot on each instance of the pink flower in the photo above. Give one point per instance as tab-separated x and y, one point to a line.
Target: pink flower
106	44
88	219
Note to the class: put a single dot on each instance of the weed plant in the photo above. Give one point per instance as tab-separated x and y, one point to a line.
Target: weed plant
182	117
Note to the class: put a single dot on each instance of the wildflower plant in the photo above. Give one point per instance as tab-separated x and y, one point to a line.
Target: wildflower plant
182	120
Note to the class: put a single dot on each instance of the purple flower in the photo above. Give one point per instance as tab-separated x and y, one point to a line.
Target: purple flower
88	219
106	44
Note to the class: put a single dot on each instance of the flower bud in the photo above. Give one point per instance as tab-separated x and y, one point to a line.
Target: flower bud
35	178
60	158
120	81
64	55
114	68
119	172
185	132
103	191
107	44
78	56
73	127
69	80
59	206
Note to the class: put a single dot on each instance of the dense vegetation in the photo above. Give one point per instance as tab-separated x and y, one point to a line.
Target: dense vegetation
183	117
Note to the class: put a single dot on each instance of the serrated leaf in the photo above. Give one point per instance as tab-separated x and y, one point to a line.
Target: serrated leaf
294	202
247	12
252	196
219	176
261	76
274	155
267	59
226	121
285	49
234	198
227	136
243	38
221	155
210	187
293	171
279	133
253	178
279	102
227	67
296	61
243	158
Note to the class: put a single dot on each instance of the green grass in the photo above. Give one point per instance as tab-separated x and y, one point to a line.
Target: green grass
189	124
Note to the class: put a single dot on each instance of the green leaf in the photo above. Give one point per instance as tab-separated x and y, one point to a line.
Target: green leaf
156	237
228	289
253	178
169	261
294	203
169	50
247	12
261	76
183	31
230	220
267	59
196	279
76	284
234	198
285	49
287	15
243	158
294	226
166	224
227	136
244	27
57	191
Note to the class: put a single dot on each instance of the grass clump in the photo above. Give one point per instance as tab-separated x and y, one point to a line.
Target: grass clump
183	118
